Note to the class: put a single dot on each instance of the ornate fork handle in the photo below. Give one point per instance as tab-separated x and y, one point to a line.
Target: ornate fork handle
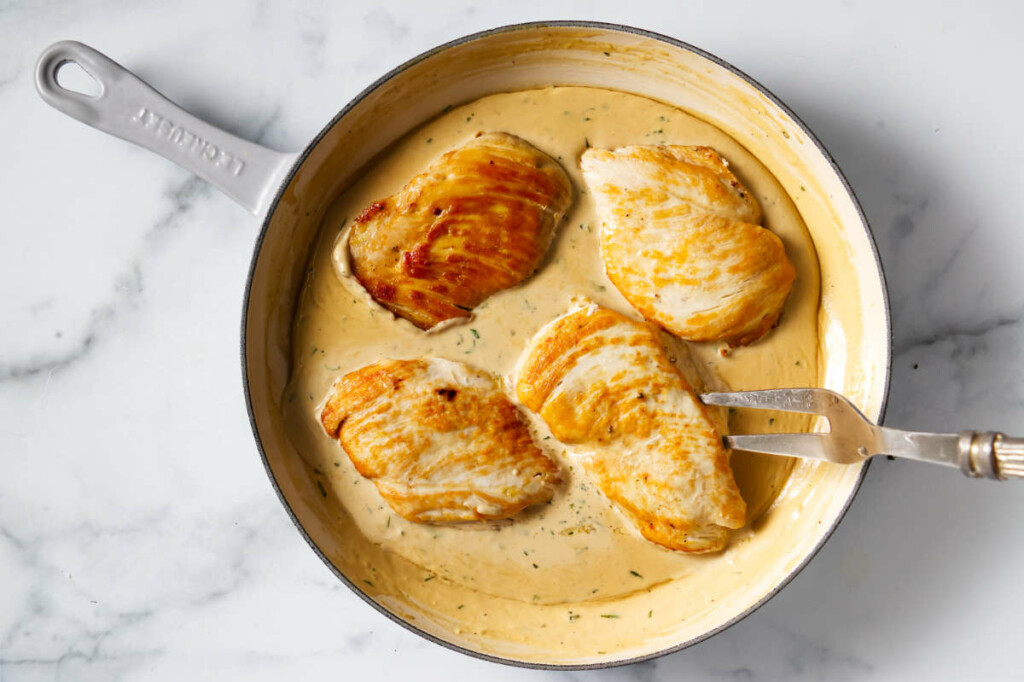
852	438
989	454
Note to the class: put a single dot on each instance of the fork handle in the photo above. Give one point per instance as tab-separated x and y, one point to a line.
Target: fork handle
988	454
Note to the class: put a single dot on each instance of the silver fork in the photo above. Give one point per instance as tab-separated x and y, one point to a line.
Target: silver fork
854	438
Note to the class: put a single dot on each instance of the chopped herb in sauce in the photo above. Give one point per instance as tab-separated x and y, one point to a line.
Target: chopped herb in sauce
583	525
367	582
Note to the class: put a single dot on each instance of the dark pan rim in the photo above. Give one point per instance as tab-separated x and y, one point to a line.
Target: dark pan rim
620	28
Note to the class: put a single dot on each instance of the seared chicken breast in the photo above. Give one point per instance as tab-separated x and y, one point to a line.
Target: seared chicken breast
680	239
604	384
439	439
477	221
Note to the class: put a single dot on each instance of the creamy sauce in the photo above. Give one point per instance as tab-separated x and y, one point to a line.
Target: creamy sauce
575	558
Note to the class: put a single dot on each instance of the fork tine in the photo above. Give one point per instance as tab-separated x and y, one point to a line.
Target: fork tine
783	399
809	445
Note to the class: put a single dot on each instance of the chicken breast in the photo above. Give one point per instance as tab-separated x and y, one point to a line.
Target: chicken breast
604	384
680	239
439	439
477	221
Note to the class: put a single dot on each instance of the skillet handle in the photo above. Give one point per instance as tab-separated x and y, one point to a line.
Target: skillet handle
129	108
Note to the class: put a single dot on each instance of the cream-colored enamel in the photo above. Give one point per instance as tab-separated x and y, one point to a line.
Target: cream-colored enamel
540	586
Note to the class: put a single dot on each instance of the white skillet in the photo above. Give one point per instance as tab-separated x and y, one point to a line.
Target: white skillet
291	192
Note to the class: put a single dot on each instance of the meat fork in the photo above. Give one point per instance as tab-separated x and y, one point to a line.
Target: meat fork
854	438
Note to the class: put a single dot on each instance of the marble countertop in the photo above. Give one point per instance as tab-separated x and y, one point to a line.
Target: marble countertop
139	537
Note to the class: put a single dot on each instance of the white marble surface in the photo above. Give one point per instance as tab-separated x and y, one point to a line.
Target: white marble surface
139	537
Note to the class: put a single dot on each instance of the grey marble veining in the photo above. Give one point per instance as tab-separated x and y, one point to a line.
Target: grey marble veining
139	538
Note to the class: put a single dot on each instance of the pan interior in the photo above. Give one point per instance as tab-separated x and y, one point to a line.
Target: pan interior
852	361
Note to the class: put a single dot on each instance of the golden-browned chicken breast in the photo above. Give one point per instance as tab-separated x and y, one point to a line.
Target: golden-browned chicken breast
439	439
603	383
680	240
477	221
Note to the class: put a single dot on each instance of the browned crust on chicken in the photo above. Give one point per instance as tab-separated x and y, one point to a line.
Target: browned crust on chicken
604	384
680	240
477	221
439	439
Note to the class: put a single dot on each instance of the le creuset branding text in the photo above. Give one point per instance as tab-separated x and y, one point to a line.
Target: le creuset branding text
189	141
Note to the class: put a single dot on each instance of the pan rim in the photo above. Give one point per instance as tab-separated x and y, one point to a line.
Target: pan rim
525	26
